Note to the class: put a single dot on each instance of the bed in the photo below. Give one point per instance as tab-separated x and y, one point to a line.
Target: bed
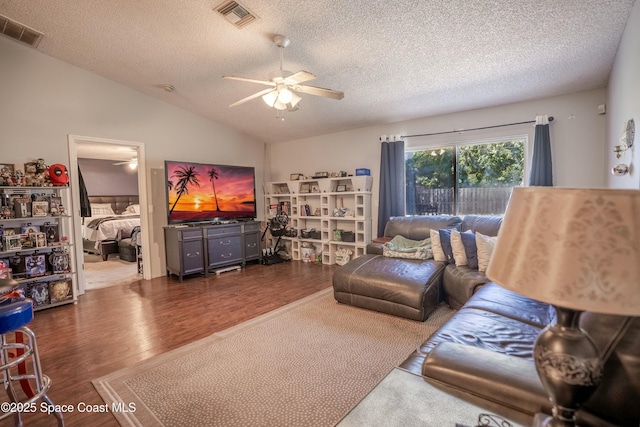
113	218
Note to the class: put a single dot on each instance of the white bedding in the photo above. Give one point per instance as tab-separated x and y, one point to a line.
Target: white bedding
109	230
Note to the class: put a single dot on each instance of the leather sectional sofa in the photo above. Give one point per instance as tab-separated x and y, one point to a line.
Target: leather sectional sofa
411	288
484	352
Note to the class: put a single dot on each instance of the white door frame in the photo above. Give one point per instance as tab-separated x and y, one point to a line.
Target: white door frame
75	198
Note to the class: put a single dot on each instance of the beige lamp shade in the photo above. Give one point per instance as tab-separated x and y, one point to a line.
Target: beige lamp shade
574	248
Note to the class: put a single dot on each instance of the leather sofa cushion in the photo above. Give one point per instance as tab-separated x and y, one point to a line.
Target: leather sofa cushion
390	285
418	227
484	224
483	329
375	248
494	298
501	379
460	283
479	329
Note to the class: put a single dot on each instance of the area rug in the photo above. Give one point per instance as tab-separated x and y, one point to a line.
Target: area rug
305	364
114	271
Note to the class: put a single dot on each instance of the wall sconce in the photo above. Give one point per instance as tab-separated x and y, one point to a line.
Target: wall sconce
626	139
626	142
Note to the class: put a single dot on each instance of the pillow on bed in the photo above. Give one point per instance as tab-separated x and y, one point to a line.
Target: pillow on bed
101	209
132	209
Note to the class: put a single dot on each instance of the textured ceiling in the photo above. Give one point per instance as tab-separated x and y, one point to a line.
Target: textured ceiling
394	61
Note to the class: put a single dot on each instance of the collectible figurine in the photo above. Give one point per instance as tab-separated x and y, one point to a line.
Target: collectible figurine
18	178
5	176
41	167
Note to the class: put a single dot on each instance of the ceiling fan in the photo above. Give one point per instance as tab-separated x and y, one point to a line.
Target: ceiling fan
283	85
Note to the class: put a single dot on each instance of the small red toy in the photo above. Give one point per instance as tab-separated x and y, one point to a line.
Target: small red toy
59	174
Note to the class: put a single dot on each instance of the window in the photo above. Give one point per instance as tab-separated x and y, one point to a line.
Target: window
472	178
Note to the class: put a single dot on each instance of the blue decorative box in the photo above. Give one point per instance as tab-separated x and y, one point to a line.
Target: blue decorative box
363	171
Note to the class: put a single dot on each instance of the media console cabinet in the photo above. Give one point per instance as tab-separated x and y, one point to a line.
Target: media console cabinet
206	247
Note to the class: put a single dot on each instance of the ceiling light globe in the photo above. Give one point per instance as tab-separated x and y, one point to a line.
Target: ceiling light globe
270	98
285	96
279	105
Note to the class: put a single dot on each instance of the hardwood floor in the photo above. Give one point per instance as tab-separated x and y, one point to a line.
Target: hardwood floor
112	328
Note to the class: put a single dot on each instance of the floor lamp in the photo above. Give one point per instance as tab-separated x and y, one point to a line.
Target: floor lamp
578	250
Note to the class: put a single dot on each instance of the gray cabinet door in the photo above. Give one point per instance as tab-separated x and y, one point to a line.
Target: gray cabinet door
192	259
251	246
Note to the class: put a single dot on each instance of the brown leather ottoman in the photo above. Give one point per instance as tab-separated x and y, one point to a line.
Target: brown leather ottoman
402	287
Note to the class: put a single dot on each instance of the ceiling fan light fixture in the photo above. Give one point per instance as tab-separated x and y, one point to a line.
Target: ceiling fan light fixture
285	95
270	98
133	164
294	99
281	95
279	105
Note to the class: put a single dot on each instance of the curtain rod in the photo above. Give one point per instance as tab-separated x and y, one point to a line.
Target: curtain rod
467	130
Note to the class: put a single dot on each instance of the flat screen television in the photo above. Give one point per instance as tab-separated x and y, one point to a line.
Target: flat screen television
198	192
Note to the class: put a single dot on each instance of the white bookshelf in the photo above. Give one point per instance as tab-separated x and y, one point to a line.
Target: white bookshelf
324	197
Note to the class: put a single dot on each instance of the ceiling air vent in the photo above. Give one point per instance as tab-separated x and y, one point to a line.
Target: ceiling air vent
235	13
19	32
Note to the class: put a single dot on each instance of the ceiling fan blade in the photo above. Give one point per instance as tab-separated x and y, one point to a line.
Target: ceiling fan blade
244	79
299	77
319	91
126	162
249	98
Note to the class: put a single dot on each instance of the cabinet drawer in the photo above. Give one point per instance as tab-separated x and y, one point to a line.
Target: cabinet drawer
223	230
225	250
195	233
252	226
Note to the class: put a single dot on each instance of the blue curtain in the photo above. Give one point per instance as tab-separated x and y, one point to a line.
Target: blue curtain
541	173
391	200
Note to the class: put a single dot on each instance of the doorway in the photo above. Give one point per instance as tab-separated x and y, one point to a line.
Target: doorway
117	151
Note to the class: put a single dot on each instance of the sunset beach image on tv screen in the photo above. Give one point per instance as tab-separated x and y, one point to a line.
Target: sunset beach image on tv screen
202	192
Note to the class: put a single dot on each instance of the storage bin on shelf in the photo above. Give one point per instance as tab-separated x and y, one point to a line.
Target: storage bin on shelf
348	236
308	252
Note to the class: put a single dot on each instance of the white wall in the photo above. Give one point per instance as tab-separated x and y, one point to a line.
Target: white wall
577	138
623	102
44	100
104	178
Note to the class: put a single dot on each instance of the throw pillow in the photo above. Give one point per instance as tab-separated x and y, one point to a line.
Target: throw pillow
459	256
132	209
436	247
445	242
485	245
101	209
469	243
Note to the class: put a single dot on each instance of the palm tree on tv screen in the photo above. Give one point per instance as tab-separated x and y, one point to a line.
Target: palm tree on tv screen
213	175
169	188
186	176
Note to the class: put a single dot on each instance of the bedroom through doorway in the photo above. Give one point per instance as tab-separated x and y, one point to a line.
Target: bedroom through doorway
111	234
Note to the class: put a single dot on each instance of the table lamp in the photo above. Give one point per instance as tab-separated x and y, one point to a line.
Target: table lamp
578	250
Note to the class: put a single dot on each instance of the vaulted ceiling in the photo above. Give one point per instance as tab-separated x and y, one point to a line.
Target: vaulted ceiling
394	61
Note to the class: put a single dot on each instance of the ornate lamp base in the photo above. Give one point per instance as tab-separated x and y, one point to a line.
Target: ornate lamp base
569	366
